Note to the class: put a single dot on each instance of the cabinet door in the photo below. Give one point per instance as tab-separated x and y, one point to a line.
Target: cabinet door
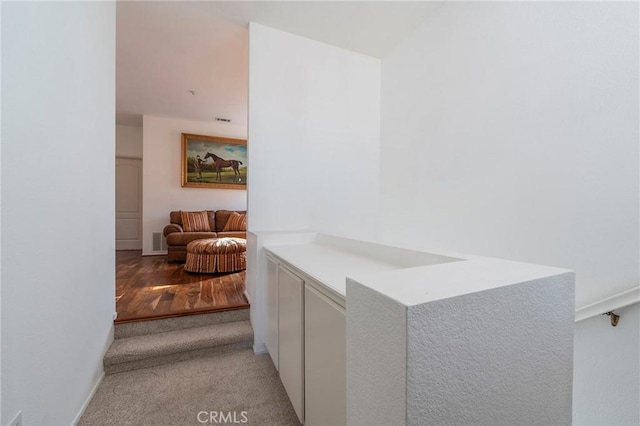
325	360
271	337
291	337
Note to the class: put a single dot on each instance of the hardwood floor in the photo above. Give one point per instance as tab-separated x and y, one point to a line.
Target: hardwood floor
150	287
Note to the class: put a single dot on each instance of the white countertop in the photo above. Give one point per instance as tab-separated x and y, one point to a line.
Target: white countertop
329	265
424	284
408	276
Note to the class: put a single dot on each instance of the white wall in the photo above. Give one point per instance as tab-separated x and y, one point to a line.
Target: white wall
511	130
0	219
128	141
58	153
314	144
314	112
161	182
606	370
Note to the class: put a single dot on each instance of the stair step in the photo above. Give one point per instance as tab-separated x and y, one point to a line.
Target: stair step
141	328
132	353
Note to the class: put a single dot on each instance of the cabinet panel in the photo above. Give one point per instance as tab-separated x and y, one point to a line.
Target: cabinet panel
325	360
291	337
271	337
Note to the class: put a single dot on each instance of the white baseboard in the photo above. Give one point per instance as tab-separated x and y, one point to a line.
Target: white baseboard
17	419
617	301
155	253
99	370
76	420
260	350
128	245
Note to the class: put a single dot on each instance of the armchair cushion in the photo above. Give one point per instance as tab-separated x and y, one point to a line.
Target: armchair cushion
195	221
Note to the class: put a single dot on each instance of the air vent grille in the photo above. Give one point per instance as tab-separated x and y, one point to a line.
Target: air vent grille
159	242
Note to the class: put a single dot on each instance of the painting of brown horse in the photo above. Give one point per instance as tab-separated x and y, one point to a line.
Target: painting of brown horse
221	163
227	168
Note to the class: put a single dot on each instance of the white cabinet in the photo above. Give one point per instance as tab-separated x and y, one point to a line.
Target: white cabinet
271	306
291	337
325	360
306	339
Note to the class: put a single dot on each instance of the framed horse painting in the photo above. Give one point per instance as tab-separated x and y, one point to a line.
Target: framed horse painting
214	162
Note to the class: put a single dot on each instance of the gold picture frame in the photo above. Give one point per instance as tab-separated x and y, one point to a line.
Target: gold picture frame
214	162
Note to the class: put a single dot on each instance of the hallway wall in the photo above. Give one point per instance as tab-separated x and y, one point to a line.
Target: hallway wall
517	129
314	144
58	164
511	130
313	136
606	370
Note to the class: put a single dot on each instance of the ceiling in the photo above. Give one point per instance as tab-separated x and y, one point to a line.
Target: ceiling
164	50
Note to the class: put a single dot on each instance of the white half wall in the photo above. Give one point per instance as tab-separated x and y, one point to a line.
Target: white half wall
128	141
510	130
606	383
58	165
161	180
314	143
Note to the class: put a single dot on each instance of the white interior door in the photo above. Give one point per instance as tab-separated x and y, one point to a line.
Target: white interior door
128	204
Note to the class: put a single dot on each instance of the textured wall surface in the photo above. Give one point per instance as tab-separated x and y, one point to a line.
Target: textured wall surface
501	356
497	356
376	358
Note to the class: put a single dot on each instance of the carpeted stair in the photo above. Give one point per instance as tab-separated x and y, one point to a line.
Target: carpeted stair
150	343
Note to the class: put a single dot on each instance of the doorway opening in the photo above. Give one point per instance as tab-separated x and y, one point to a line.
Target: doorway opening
180	68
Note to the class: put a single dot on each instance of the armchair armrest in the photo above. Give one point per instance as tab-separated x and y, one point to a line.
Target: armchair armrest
171	228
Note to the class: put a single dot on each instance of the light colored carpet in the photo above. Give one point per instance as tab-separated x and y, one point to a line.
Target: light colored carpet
174	394
131	353
152	326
